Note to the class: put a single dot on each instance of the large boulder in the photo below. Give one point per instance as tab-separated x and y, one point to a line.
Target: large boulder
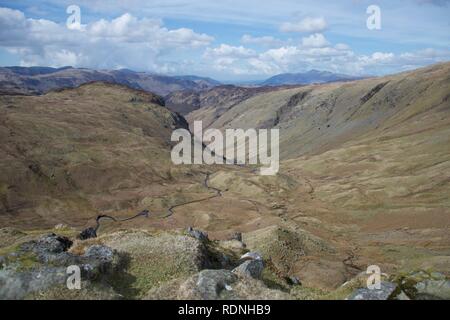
197	234
251	256
384	293
50	243
424	285
39	265
211	283
88	233
99	260
433	289
16	284
250	268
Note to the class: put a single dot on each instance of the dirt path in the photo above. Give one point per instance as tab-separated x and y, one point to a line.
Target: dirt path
218	192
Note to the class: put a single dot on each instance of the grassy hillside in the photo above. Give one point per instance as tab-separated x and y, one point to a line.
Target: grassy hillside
316	118
70	153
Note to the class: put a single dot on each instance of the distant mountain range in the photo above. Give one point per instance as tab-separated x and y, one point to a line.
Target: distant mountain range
312	76
209	82
39	80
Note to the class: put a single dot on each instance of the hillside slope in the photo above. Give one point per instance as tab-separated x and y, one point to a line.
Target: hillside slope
316	118
213	102
75	148
374	156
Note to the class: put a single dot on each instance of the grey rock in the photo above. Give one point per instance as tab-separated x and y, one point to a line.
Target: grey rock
237	236
52	260
402	296
99	260
48	249
100	253
224	260
294	280
251	256
88	233
437	276
250	268
197	234
52	243
17	285
384	293
433	290
211	283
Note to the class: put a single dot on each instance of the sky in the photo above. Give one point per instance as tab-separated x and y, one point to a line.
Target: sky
236	40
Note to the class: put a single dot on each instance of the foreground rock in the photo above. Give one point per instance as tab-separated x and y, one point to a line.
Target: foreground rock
217	285
39	265
252	265
415	285
250	268
88	233
210	284
251	256
197	234
433	289
384	293
423	285
137	264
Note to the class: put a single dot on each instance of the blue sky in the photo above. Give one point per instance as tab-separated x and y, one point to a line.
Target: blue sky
228	39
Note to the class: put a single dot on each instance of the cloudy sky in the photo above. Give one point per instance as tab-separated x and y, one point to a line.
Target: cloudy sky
227	39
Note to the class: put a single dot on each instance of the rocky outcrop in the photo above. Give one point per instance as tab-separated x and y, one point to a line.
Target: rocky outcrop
384	293
88	233
250	268
217	285
134	264
433	289
424	285
210	284
197	234
41	264
252	265
415	285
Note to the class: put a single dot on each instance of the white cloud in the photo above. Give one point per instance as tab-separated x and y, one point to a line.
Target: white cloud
124	41
225	50
317	53
308	24
147	44
341	46
229	59
316	40
267	41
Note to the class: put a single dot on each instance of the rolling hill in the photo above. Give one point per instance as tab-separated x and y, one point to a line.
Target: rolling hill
66	147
